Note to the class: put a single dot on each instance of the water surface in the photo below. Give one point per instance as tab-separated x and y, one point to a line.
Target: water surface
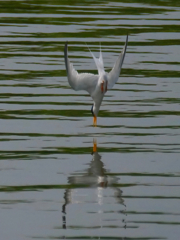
61	177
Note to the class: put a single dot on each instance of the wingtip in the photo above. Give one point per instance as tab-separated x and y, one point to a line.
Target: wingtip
66	43
66	55
127	36
65	48
126	40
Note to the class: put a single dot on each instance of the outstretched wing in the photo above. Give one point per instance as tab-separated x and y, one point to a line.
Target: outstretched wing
115	72
82	81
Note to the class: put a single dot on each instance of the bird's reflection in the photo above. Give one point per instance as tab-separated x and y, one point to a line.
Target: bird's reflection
94	177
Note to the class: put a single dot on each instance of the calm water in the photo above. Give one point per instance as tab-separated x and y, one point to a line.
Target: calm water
54	182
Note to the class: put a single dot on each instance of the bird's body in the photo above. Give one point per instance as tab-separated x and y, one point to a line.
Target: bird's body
95	85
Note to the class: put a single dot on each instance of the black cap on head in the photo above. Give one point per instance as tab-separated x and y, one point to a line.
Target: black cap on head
92	110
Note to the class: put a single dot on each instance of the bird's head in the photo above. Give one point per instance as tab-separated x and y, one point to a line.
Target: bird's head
94	113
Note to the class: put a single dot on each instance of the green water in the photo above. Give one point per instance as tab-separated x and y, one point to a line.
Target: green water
52	184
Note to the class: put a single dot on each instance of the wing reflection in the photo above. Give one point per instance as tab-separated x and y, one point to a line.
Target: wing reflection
95	176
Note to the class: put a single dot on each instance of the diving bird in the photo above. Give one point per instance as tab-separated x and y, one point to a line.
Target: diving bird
95	85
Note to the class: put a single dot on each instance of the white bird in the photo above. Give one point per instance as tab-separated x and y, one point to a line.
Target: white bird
95	85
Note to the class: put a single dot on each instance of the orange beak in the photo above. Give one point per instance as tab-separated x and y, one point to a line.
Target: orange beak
95	121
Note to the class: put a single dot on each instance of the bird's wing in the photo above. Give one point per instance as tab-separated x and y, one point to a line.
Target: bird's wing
82	81
115	72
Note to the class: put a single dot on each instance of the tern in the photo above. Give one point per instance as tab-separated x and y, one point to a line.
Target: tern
95	85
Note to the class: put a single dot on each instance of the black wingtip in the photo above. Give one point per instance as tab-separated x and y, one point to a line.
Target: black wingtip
126	43
65	55
65	48
127	36
66	45
125	47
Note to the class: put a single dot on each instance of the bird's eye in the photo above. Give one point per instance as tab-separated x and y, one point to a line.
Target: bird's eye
92	110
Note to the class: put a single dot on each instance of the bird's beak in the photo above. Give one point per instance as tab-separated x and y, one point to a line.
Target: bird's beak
95	121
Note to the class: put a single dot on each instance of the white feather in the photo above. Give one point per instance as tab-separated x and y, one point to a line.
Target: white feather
95	85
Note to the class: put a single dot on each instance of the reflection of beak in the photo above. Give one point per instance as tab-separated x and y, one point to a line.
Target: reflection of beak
94	145
95	121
